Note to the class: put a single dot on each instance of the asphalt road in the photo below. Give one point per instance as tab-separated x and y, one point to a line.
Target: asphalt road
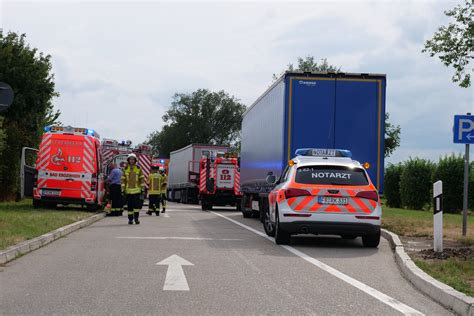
111	267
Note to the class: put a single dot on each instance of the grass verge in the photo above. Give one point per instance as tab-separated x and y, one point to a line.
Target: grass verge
413	223
19	221
455	272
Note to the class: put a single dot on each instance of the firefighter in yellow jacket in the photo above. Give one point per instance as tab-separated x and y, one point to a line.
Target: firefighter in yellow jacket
163	189
154	191
133	185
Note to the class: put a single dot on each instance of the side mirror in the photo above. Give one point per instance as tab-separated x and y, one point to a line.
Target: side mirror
271	179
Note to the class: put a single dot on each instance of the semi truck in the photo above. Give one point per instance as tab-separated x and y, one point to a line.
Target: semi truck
311	110
202	172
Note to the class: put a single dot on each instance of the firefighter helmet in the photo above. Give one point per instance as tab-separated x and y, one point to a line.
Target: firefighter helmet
132	156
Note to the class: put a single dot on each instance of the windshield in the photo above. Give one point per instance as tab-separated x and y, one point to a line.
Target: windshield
334	175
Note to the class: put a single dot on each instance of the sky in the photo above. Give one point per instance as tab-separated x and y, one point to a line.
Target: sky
117	64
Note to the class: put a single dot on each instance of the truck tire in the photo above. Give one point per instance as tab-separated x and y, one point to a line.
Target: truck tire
371	241
282	237
268	226
37	203
92	207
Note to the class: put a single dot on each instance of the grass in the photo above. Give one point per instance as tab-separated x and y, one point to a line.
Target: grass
457	273
19	221
413	223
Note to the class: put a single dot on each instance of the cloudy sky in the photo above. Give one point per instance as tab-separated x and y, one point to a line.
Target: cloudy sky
118	64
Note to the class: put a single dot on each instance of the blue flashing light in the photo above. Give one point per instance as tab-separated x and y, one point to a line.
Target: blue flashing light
162	161
322	152
47	129
90	132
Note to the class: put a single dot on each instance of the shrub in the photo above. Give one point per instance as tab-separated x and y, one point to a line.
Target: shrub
392	185
450	170
415	183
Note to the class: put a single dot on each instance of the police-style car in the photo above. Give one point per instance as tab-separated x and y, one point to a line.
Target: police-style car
324	191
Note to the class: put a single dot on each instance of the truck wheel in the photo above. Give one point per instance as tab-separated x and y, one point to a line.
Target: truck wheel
37	203
268	225
282	237
92	207
371	241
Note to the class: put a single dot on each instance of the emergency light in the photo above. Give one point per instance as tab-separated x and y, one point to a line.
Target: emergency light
322	152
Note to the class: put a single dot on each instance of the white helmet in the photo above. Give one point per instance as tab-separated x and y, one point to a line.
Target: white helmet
162	169
132	156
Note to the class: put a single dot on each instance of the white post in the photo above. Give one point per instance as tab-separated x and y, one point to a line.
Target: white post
438	216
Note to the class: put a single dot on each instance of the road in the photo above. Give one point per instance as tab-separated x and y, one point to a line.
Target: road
111	267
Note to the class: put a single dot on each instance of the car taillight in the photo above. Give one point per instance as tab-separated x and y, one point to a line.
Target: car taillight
94	182
289	193
371	195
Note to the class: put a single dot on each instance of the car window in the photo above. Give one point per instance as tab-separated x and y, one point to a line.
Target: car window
284	175
335	175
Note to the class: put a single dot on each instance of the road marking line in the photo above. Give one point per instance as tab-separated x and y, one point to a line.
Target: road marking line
175	278
177	238
390	301
166	215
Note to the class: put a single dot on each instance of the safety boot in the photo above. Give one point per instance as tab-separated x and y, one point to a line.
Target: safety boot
157	213
130	219
136	218
149	212
164	209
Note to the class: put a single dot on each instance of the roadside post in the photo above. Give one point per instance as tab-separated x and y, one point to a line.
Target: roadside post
438	216
463	133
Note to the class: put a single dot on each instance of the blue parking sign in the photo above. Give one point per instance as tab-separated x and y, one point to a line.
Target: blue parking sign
463	129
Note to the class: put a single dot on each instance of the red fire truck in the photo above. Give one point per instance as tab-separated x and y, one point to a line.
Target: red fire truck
219	182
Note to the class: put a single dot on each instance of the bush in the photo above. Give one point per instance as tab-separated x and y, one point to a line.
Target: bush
392	185
450	170
415	183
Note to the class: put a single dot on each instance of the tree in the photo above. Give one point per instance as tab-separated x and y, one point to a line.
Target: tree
392	136
28	72
307	64
454	43
200	117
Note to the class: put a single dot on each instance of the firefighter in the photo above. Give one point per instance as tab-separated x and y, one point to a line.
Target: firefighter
163	187
133	185
114	180
154	191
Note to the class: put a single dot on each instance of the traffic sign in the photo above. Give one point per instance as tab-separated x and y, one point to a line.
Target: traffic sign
6	96
463	129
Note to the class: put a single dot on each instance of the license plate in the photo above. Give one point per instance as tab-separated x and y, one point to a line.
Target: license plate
50	192
333	200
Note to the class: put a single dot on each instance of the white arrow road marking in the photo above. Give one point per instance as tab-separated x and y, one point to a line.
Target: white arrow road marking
390	301
177	238
175	278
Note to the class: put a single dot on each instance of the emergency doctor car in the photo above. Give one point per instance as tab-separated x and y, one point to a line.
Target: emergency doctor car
324	191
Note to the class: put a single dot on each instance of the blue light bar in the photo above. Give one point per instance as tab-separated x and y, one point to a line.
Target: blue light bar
47	129
162	161
323	152
90	132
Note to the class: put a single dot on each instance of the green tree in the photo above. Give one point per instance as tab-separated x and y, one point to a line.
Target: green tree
392	136
415	183
308	64
454	43
28	72
392	185
199	117
450	170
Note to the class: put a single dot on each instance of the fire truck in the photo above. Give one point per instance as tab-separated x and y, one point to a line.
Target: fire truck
205	173
219	181
117	152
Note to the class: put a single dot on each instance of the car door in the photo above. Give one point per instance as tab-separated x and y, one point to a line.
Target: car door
273	197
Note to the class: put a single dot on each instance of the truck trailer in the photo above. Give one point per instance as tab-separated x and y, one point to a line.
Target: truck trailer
183	172
311	110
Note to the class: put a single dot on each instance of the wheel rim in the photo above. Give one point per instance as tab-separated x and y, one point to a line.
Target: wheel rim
268	223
